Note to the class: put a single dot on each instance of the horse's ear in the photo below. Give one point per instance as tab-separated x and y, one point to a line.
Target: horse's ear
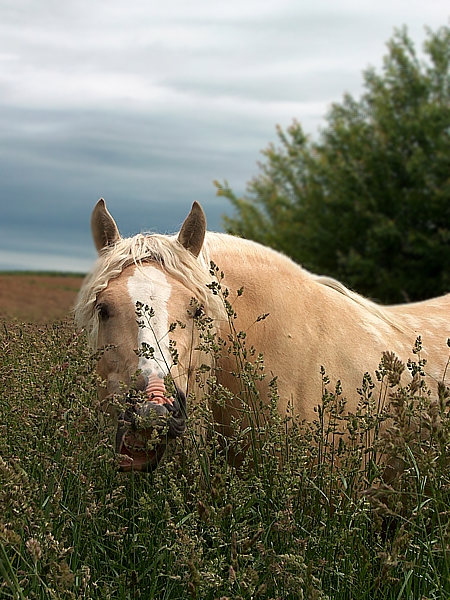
104	228
192	232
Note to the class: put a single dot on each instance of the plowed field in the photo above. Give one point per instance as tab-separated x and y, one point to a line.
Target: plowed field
37	298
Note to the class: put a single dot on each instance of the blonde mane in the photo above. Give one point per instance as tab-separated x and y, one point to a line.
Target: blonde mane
165	250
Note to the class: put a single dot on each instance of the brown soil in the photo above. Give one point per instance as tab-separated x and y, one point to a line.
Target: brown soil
37	298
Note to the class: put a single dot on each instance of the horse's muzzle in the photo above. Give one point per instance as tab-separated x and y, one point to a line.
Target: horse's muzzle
144	430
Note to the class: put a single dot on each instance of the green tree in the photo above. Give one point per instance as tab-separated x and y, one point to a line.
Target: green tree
369	202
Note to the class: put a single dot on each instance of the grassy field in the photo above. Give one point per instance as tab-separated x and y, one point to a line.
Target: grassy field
304	517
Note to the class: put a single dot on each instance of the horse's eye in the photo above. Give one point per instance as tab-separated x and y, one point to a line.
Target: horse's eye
103	311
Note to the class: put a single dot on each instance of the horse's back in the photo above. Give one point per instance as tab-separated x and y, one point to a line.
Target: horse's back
439	304
426	318
429	319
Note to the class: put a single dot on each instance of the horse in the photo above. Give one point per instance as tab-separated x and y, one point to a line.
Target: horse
142	301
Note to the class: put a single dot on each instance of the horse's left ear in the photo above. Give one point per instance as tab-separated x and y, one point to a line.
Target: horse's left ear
192	232
104	228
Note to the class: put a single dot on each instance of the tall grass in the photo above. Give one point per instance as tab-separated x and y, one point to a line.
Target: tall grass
306	514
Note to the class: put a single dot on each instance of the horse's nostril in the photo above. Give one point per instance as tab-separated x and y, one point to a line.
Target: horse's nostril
141	383
127	418
181	397
151	409
177	410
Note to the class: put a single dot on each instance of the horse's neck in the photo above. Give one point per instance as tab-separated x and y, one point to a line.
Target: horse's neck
275	284
320	315
256	268
238	257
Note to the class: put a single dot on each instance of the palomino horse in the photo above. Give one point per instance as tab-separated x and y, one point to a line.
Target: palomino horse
312	321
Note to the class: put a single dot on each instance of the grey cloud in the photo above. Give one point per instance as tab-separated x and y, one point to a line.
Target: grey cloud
147	105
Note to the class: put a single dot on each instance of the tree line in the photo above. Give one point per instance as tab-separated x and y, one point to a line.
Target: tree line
368	202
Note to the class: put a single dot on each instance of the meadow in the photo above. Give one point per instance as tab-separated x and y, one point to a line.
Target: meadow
306	515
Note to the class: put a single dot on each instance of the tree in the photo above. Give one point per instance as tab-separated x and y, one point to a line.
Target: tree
369	202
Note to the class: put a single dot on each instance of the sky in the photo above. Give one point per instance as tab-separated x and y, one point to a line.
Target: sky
146	103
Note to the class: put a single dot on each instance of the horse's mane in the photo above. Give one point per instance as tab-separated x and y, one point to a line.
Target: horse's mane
165	250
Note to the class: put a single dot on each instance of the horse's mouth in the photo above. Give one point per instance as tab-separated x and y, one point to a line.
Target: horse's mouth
136	455
144	430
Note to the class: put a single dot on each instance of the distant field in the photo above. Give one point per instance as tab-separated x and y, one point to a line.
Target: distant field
37	297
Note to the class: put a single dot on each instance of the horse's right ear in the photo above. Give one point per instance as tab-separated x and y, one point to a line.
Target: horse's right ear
192	232
104	228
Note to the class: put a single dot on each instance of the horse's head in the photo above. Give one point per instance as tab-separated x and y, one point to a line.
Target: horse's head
138	304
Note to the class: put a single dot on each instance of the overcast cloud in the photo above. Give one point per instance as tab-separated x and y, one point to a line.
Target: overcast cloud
146	103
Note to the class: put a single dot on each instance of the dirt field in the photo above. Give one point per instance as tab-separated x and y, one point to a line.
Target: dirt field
37	297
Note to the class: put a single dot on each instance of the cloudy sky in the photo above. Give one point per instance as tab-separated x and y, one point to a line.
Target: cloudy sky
146	102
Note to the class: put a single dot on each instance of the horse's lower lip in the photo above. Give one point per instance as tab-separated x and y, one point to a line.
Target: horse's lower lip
134	456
